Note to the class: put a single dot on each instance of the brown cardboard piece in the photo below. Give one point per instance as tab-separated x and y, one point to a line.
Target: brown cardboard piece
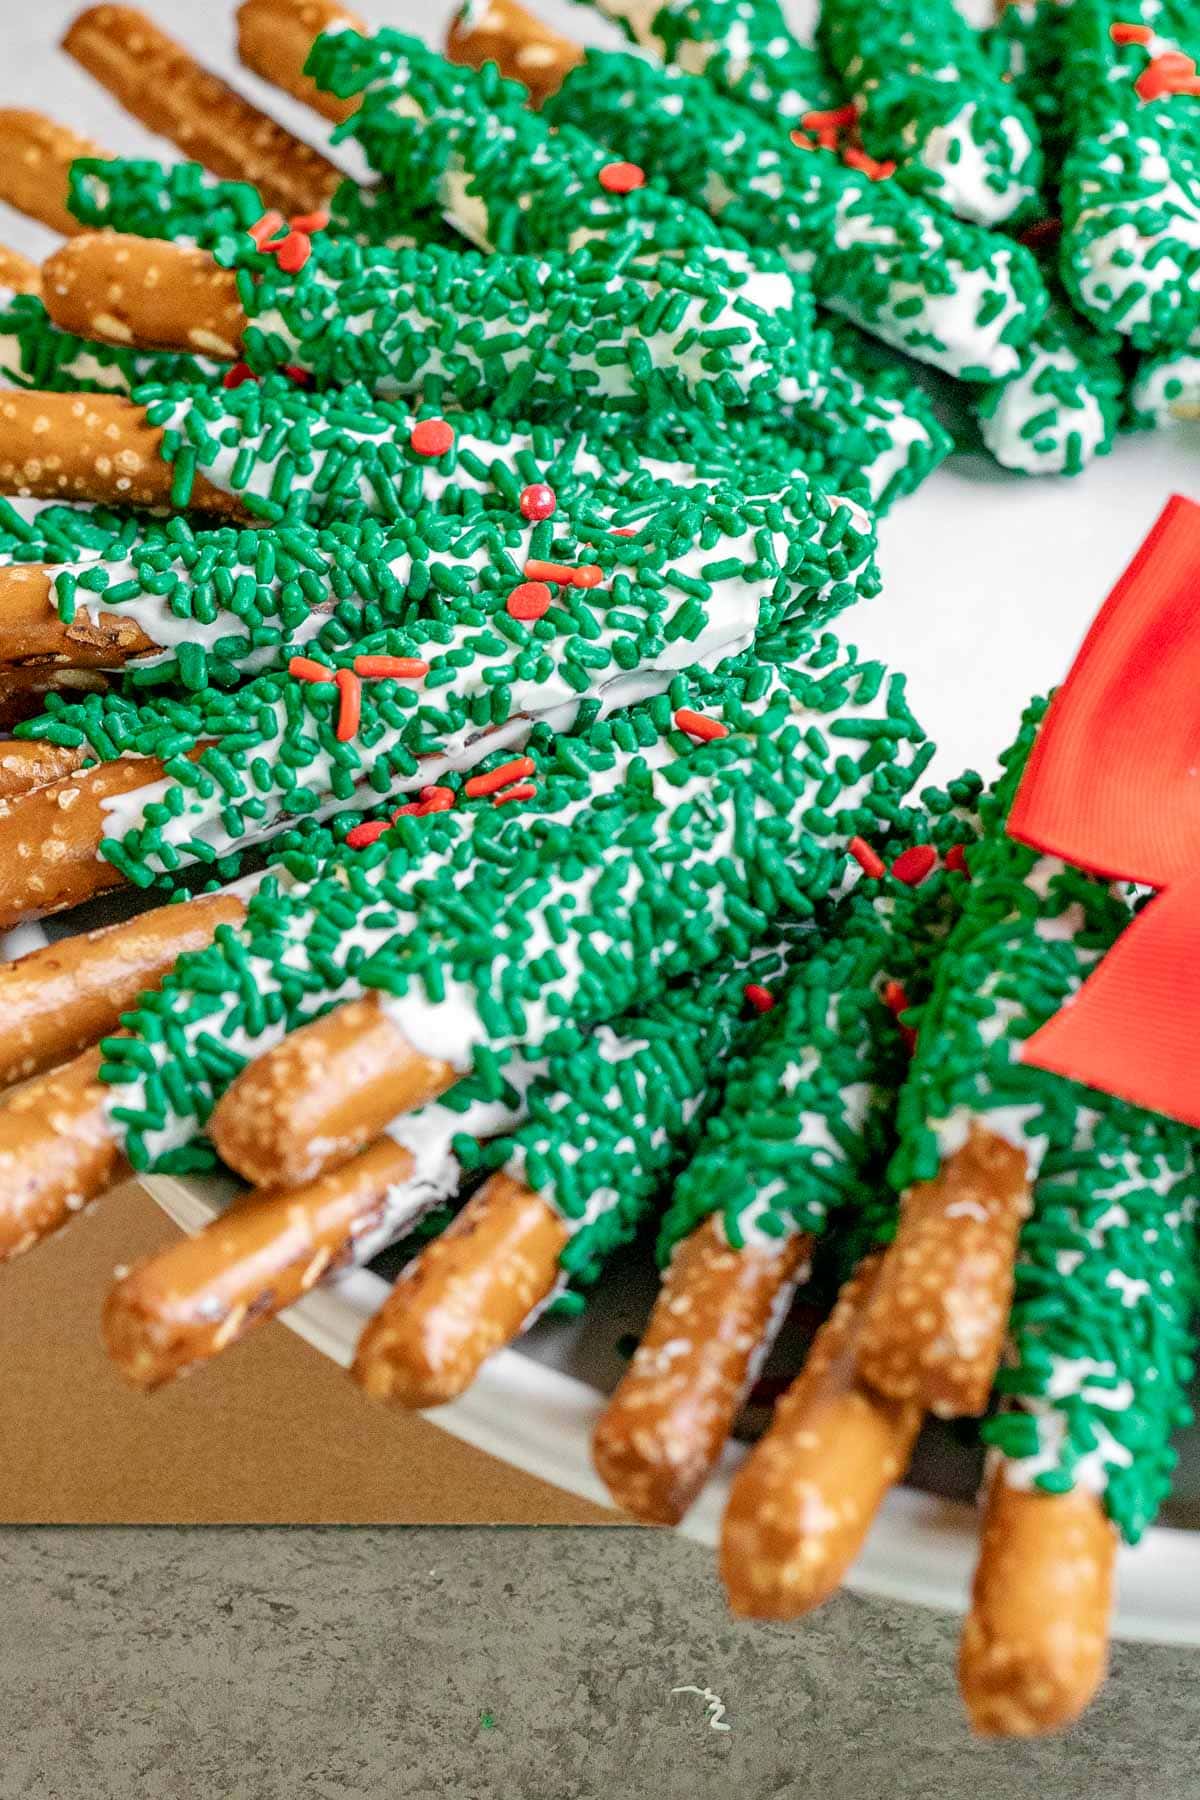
272	1434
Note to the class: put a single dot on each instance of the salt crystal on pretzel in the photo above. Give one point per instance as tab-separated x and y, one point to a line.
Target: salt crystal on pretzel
36	154
940	288
801	1141
156	80
608	1123
929	100
976	1123
517	332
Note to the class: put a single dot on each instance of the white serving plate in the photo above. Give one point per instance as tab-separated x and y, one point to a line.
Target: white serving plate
990	582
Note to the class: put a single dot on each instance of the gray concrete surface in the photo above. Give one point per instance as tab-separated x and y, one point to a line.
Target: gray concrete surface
505	1665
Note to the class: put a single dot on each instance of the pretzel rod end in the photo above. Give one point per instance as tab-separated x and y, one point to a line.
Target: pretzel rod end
934	1329
466	1296
521	46
18	274
667	1422
274	40
144	292
1034	1648
36	154
803	1501
57	1153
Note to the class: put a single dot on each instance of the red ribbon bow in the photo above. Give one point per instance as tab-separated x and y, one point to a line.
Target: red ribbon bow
1113	785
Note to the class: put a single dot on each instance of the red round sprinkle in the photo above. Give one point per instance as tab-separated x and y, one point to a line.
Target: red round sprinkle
760	998
349	705
265	228
697	726
956	858
236	377
504	776
524	790
1124	32
431	437
538	501
400	668
621	177
530	600
305	669
868	860
362	835
913	865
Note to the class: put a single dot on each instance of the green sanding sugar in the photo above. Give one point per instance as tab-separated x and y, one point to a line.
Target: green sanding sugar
1030	932
1063	406
743	48
465	141
1131	252
641	855
516	332
807	1121
930	99
1101	1348
34	353
700	578
947	291
612	1120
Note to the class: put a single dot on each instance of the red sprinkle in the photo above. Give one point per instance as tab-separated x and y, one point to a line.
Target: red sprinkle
236	377
801	142
1043	234
1170	73
538	501
365	834
855	158
759	997
310	222
837	118
697	726
956	859
292	253
621	177
431	437
868	860
623	531
525	790
265	228
529	600
913	865
584	575
301	378
1124	32
400	668
350	705
504	776
894	997
433	799
305	669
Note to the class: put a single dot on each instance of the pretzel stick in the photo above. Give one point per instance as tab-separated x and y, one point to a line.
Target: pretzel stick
36	155
521	46
156	80
33	764
802	1503
32	631
187	1304
57	1152
668	1421
56	1001
91	447
49	839
934	1326
275	37
321	1095
466	1295
18	274
146	292
1034	1648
